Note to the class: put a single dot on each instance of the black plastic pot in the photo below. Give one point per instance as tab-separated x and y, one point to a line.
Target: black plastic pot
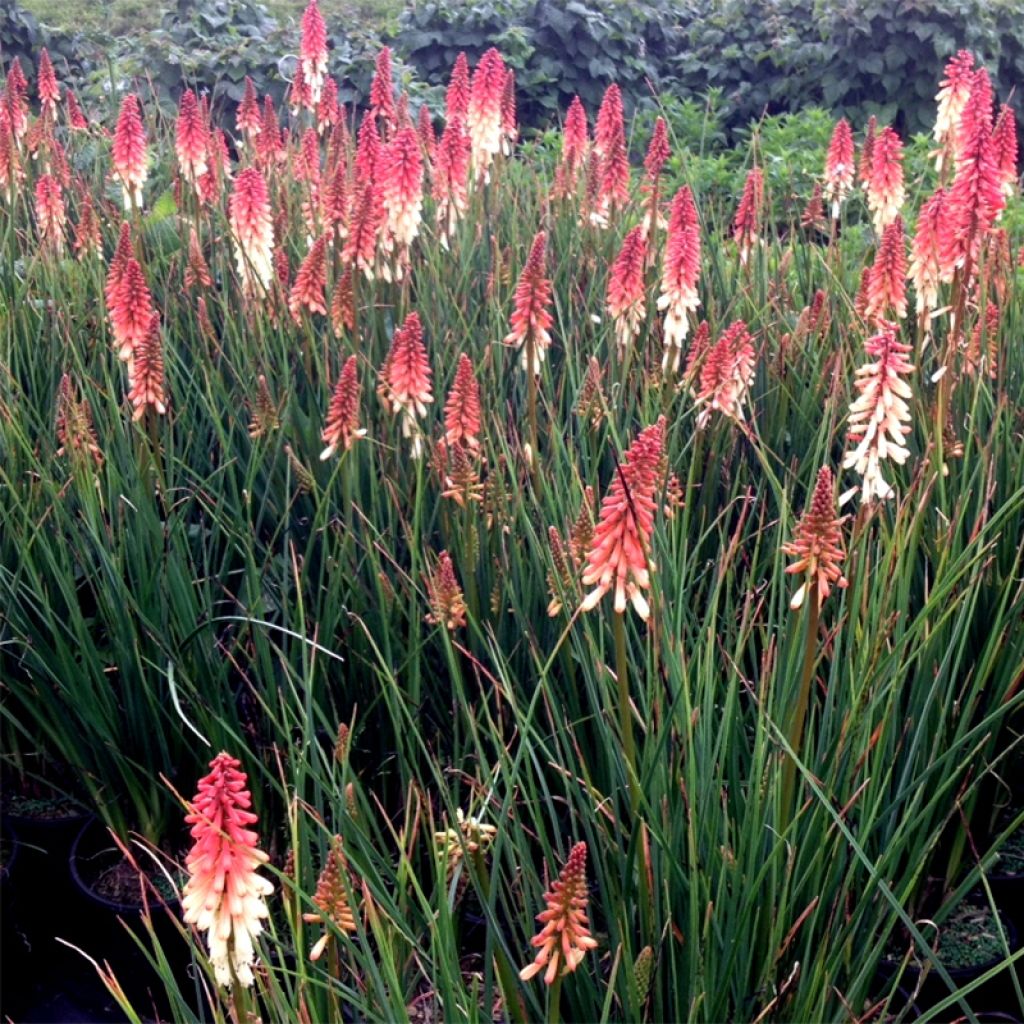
102	925
996	992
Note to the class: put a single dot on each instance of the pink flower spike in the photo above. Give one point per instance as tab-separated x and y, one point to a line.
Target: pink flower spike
224	896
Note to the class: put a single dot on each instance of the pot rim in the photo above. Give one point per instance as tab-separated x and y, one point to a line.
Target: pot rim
88	829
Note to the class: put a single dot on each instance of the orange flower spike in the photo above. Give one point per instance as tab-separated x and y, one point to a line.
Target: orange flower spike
839	166
50	213
191	138
252	232
146	373
267	144
331	899
575	147
1004	145
128	152
248	120
407	379
680	270
360	249
954	90
402	188
977	197
11	171
122	254
425	133
87	231
313	51
926	267
76	119
532	313
131	310
618	557
457	94
328	109
726	375
462	409
447	605
565	939
342	429
746	225
310	283
626	291
382	90
14	100
817	544
483	113
49	90
612	160
879	416
886	292
885	183
224	896
451	179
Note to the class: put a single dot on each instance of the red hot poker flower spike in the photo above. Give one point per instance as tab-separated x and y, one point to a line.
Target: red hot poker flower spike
618	558
224	895
565	939
817	544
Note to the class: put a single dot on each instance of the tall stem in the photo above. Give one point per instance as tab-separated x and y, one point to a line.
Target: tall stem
796	728
554	998
531	402
625	711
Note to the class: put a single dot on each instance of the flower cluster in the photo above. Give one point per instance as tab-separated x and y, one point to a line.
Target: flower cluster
224	896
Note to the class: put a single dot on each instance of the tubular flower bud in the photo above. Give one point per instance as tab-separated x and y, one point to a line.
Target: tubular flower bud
267	144
483	113
313	50
680	270
565	939
626	292
839	166
618	557
879	416
746	226
14	100
224	895
191	138
252	232
266	415
146	373
726	375
885	183
129	152
531	318
342	429
462	409
886	290
406	379
343	305
328	109
817	544
196	270
658	152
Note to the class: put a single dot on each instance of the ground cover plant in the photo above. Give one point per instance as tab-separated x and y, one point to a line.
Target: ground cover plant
487	577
